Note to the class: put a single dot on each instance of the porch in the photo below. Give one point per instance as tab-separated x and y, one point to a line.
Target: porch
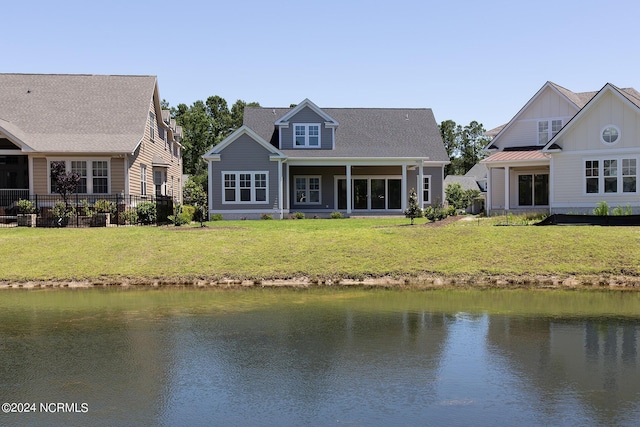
355	189
518	190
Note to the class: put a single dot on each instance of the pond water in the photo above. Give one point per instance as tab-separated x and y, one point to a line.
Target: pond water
319	357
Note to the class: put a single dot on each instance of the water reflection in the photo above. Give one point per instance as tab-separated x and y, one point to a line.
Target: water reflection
317	358
590	364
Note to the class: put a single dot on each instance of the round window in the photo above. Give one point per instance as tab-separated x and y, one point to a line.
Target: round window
610	134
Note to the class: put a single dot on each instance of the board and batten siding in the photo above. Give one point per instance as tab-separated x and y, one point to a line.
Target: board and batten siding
306	115
524	131
583	142
244	155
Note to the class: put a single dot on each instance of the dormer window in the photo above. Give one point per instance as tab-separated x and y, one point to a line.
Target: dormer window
547	129
307	135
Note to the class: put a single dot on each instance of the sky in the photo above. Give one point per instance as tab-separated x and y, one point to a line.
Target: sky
466	60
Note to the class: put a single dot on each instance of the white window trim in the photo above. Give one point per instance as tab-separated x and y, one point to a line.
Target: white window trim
143	180
237	187
307	190
533	194
601	177
89	160
368	178
609	144
306	135
550	133
420	185
152	129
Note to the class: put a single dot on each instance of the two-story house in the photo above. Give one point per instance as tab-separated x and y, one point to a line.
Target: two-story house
359	161
109	129
566	152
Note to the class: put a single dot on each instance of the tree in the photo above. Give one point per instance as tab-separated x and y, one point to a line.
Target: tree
464	145
195	196
204	125
198	136
459	198
414	210
64	183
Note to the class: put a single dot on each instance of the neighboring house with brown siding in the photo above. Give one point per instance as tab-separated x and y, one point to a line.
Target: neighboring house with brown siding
109	129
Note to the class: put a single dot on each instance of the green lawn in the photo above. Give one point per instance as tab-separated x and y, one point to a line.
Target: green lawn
316	248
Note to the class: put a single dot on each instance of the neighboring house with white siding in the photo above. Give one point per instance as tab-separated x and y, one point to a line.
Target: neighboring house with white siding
359	161
566	152
109	129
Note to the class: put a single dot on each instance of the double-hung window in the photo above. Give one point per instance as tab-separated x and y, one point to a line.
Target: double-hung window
100	171
426	189
143	180
80	167
307	190
152	126
93	175
245	187
306	135
547	129
610	176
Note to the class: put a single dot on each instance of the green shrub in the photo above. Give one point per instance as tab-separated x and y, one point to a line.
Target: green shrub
180	216
188	212
298	215
129	217
602	209
619	211
105	206
61	210
146	212
436	212
216	217
25	206
337	215
266	216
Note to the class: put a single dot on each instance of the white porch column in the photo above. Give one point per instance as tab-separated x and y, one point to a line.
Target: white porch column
551	187
210	179
348	168
280	189
506	187
420	189
487	206
403	187
287	187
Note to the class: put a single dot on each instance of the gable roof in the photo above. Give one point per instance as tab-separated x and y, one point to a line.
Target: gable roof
76	112
363	132
578	100
284	120
214	153
629	96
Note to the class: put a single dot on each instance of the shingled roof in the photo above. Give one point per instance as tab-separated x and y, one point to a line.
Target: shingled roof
76	113
364	132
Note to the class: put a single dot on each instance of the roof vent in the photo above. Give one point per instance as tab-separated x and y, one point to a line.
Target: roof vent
406	117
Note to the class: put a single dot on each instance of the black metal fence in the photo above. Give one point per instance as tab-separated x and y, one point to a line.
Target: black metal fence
84	210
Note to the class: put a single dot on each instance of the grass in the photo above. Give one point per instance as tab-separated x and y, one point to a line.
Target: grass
315	248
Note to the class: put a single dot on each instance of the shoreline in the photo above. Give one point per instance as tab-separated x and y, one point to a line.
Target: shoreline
425	282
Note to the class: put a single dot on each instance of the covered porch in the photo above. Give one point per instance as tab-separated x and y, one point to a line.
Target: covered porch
518	182
357	188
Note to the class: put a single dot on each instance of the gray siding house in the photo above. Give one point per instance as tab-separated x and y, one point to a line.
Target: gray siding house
359	161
